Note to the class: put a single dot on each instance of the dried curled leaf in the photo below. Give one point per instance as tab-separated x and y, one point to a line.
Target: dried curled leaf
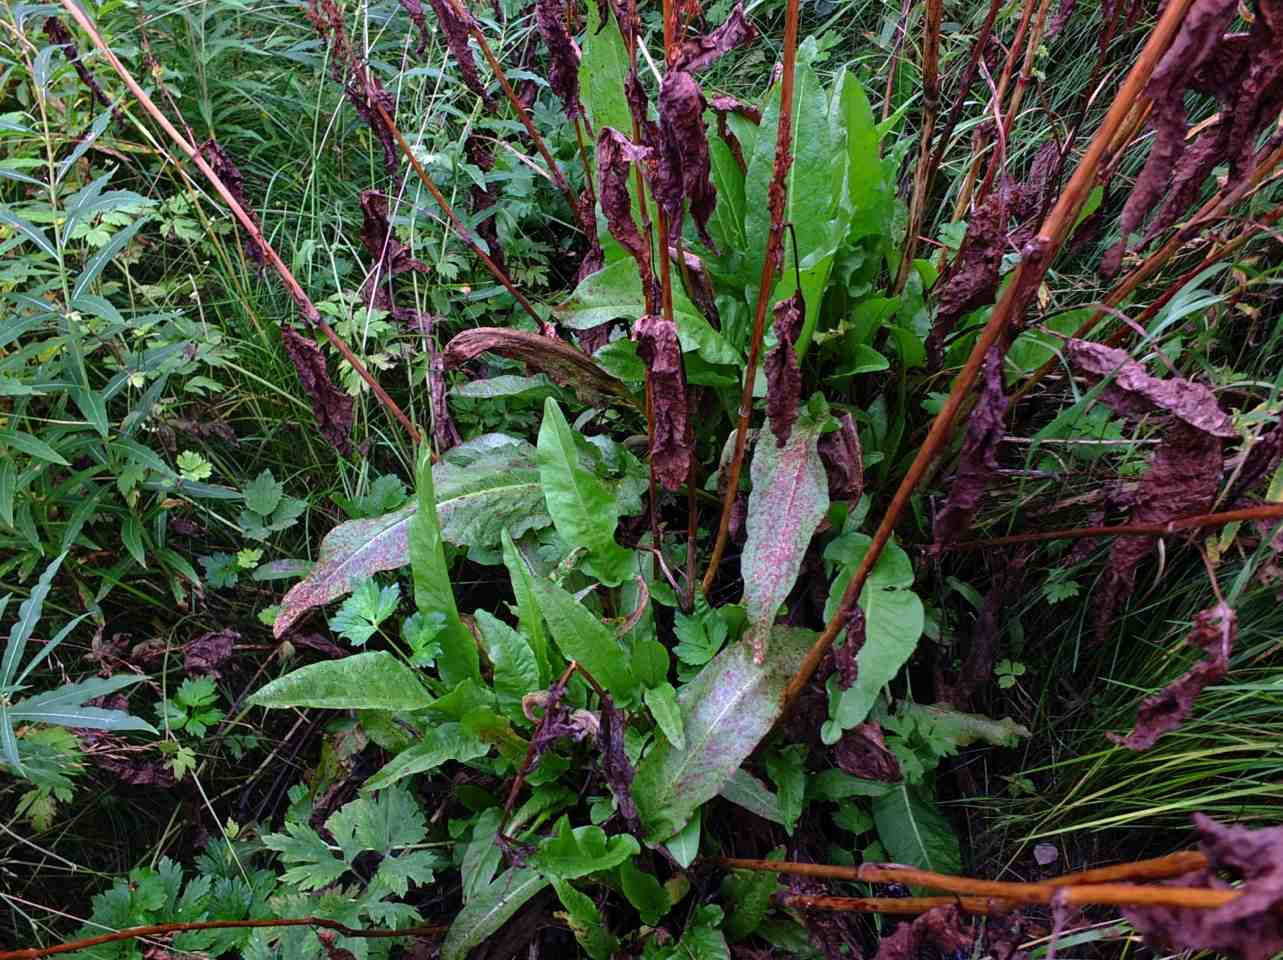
206	653
61	38
978	461
973	277
1214	633
862	752
227	170
331	406
843	460
1249	926
414	10
444	433
783	375
938	929
615	766
701	52
683	171
458	23
390	256
615	153
671	450
563	55
562	362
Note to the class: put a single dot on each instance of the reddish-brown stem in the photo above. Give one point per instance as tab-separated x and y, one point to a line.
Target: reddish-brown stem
1264	512
922	170
459	227
900	31
892	905
1033	266
161	929
247	222
774	246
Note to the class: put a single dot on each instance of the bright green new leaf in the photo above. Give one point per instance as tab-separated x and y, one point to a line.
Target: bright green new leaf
662	702
516	672
580	636
364	681
528	615
644	892
441	743
579	851
747	894
586	922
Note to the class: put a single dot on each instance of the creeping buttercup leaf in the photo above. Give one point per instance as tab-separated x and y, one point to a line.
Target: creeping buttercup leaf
457	23
1214	633
700	52
1249	926
893	622
330	405
433	593
789	498
560	361
583	509
683	172
364	681
978	460
726	711
563	55
579	851
490	908
672	439
783	375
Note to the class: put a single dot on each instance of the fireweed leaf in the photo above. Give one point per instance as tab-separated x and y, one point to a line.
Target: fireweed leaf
1214	633
231	175
701	52
331	406
978	461
672	441
683	171
973	277
783	375
563	55
457	23
789	498
1249	926
843	460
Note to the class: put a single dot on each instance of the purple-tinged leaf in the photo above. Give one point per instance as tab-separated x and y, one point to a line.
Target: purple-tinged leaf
672	441
206	653
701	52
227	171
977	462
684	168
789	498
457	23
972	280
843	460
331	406
783	375
414	10
563	55
862	752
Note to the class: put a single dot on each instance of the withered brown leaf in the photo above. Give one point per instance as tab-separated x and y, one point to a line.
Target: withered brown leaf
671	444
783	375
978	461
684	168
563	55
331	406
701	52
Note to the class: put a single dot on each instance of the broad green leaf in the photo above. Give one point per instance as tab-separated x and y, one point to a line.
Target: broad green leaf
866	189
893	622
683	846
745	790
433	593
615	292
789	498
644	892
586	922
579	851
516	672
727	223
787	768
726	711
914	831
483	486
490	909
662	702
581	637
482	856
441	743
583	509
528	616
365	681
603	68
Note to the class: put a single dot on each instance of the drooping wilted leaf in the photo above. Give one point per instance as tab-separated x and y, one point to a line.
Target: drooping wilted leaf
862	752
788	500
457	22
1214	633
783	375
560	361
615	765
206	653
672	439
1249	926
388	255
978	460
227	170
615	153
843	460
726	711
331	406
563	55
445	435
683	172
972	280
701	52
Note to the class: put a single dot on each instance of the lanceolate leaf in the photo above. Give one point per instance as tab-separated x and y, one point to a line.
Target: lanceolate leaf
726	711
483	487
582	508
432	590
581	637
789	498
366	681
446	741
490	909
914	831
893	622
516	672
529	617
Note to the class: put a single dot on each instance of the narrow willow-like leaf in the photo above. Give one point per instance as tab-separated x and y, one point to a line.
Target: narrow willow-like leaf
490	909
789	498
28	616
365	681
583	509
433	593
529	617
726	711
